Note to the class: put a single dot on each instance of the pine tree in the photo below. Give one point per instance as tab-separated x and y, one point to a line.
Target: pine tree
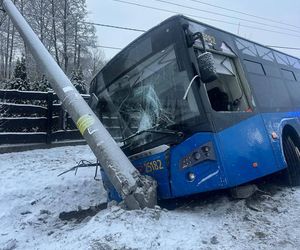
20	69
78	81
20	76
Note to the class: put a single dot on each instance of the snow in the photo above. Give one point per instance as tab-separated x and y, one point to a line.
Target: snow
32	196
19	91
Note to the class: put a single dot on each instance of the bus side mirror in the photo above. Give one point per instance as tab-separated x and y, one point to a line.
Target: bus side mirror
207	67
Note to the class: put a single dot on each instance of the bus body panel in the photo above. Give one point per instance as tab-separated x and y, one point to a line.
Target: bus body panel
246	151
209	174
243	153
156	166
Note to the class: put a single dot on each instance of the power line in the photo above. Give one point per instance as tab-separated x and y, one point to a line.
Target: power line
91	23
115	26
224	15
244	13
206	18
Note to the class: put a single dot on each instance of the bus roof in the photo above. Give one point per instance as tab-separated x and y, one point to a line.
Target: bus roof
227	32
170	19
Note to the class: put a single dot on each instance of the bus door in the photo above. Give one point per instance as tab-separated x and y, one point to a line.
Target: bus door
241	137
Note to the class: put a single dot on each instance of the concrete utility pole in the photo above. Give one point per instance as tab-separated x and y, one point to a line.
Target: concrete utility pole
137	191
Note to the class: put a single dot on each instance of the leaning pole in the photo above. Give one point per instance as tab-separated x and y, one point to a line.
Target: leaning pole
137	191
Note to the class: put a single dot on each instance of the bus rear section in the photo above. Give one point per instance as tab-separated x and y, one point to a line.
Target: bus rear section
186	108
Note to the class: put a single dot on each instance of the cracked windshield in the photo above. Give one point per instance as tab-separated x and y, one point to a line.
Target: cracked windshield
150	96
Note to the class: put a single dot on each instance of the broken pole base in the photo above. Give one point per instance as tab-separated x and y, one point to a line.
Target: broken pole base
144	195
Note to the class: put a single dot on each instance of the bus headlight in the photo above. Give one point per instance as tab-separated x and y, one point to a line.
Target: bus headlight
191	176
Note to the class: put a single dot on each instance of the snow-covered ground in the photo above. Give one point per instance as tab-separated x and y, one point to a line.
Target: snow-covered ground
32	197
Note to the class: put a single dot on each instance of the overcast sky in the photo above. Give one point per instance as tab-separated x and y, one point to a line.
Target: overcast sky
117	13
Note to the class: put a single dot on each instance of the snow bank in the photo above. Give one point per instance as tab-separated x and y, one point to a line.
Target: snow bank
32	196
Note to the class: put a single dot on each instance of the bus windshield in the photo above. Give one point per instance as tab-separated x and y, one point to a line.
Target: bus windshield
150	96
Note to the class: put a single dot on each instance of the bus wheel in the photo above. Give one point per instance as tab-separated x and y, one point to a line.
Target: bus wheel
292	156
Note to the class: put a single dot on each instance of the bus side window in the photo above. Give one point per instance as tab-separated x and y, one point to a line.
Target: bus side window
226	93
219	100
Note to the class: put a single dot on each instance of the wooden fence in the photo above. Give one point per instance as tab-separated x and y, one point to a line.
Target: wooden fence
34	117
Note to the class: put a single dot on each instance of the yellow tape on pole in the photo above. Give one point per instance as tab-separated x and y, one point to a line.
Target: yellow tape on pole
84	122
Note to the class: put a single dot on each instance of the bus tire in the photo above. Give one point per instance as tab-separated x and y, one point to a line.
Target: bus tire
292	156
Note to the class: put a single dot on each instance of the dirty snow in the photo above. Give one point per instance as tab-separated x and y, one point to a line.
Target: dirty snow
32	196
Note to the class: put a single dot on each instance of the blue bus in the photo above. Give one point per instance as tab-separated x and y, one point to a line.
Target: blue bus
201	109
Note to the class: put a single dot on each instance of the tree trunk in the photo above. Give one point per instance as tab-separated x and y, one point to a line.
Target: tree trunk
65	49
54	33
79	54
26	52
7	49
11	52
42	20
75	44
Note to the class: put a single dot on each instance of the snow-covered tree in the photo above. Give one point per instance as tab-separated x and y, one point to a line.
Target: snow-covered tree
78	81
20	69
40	85
61	26
20	81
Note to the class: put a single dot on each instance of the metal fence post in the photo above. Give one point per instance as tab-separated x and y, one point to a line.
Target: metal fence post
49	117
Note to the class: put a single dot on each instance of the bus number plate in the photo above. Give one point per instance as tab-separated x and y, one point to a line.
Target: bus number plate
153	166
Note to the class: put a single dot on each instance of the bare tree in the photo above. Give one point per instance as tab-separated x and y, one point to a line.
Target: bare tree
61	26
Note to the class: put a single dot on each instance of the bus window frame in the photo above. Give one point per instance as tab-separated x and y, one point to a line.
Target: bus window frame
220	120
241	80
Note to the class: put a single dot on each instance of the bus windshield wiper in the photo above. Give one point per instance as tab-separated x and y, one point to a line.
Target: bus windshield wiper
155	130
